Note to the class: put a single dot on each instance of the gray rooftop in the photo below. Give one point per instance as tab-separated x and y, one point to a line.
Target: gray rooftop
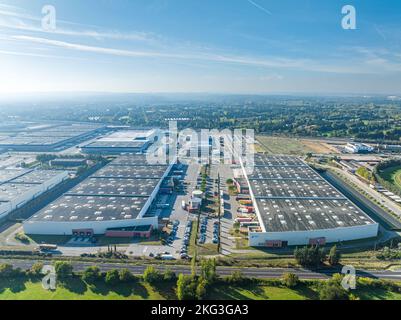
116	187
10	191
117	144
291	196
37	176
284	161
137	172
299	215
280	172
7	175
294	189
132	160
91	208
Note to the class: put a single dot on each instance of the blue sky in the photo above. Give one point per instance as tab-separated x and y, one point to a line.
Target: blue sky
237	46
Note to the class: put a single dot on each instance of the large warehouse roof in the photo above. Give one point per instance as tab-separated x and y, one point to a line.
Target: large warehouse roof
297	215
114	193
48	135
91	208
291	196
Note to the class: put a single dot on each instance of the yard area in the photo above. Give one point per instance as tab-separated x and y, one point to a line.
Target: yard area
293	146
279	145
392	175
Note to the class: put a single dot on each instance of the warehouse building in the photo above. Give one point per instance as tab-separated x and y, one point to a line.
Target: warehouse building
295	206
17	187
128	141
45	138
113	201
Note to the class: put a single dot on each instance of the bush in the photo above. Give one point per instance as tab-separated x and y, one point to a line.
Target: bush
36	269
334	256
64	269
332	291
91	274
186	287
151	275
7	270
290	280
236	278
22	237
125	275
169	276
201	289
112	277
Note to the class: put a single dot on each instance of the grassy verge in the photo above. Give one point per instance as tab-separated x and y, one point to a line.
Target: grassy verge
75	289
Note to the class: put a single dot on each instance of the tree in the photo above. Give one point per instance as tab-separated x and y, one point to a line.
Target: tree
63	269
193	264
45	157
125	275
112	277
334	256
36	269
332	291
186	287
201	289
6	270
309	256
151	275
290	280
91	274
169	275
236	277
208	270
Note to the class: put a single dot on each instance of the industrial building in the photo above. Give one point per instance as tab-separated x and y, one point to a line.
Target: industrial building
294	205
358	148
113	201
45	138
128	141
19	186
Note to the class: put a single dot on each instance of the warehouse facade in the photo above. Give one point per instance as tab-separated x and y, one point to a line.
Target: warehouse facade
19	186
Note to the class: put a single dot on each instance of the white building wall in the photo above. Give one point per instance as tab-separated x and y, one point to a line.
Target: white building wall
5	208
257	239
99	227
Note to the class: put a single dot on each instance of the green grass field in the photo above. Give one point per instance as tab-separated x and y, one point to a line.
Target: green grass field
279	145
392	175
76	289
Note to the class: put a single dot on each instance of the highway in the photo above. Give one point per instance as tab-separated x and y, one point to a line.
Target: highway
264	273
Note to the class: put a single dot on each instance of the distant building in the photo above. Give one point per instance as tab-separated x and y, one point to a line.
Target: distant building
358	148
128	141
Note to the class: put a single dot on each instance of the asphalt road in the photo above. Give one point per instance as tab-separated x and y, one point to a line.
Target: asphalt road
222	271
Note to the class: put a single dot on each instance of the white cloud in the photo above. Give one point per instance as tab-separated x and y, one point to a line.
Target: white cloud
265	62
